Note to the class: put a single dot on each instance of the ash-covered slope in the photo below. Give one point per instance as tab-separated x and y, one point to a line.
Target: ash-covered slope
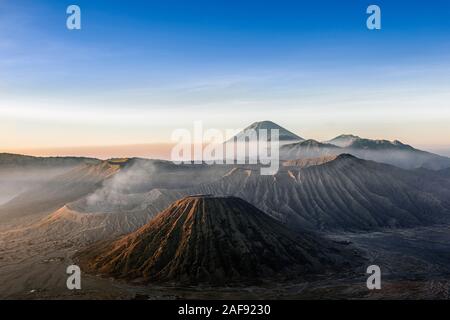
108	200
344	194
70	223
214	240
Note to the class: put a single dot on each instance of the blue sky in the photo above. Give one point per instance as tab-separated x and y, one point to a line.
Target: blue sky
139	69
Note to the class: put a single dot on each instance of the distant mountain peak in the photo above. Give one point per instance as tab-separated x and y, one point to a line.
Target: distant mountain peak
315	143
343	140
310	143
284	134
355	142
347	135
379	144
265	124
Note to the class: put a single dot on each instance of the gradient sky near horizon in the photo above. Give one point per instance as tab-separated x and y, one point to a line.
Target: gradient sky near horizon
140	69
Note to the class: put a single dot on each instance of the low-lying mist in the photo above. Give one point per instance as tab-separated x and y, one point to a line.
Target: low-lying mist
15	181
141	179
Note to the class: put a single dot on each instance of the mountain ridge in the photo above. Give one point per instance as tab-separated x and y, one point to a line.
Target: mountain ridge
347	194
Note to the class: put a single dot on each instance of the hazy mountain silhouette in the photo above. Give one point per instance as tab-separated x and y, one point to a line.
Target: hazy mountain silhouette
394	153
284	134
343	140
294	147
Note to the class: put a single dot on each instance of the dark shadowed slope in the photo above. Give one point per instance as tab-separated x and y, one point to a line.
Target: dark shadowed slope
215	240
344	194
445	172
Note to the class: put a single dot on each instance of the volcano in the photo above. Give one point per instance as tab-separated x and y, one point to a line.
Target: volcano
218	240
285	136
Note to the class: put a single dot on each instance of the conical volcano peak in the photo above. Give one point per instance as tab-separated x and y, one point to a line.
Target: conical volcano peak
213	209
284	134
266	124
206	196
214	240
